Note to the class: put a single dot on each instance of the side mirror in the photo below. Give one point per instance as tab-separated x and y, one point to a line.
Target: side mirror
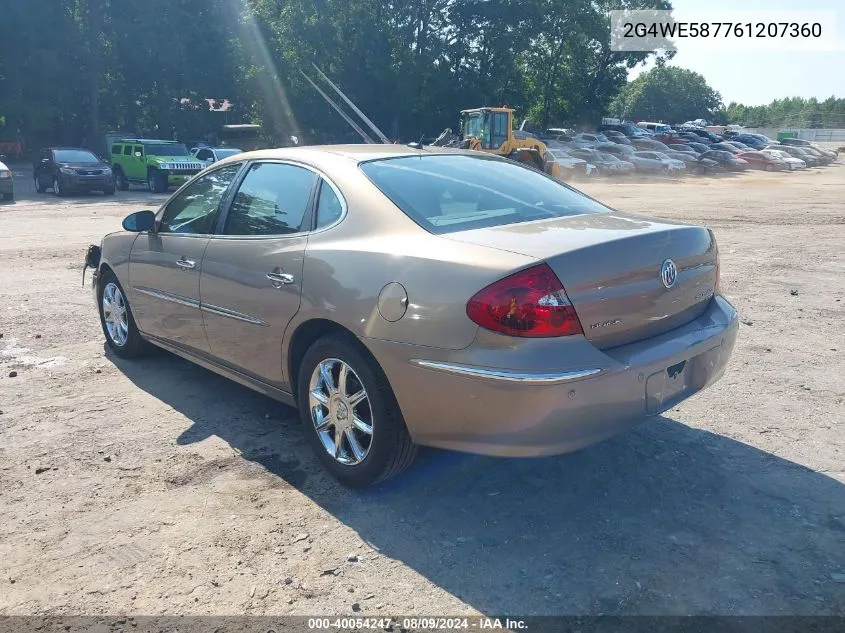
138	155
139	221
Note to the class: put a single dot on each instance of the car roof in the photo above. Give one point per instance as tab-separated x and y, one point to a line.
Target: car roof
146	140
359	153
83	149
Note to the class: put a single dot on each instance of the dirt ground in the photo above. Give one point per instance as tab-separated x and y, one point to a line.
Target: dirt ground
156	487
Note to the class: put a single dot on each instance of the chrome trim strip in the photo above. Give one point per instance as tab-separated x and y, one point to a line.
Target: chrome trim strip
511	376
166	296
231	314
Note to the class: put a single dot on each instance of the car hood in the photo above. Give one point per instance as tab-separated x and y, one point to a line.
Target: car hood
176	159
83	165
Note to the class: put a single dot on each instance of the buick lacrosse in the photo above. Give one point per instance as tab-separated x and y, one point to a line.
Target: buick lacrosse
402	296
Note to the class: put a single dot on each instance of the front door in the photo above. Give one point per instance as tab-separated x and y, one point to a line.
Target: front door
165	265
252	272
136	165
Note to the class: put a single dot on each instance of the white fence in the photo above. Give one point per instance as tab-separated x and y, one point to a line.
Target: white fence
815	135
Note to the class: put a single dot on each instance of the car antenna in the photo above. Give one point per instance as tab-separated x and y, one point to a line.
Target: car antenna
418	144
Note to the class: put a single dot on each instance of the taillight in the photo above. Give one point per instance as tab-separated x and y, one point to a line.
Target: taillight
531	303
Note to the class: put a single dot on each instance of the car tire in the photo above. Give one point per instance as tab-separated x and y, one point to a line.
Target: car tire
58	190
122	335
9	197
120	180
770	168
358	458
39	188
157	181
109	191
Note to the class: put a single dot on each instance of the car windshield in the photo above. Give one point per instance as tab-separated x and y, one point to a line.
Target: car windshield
165	149
445	194
223	153
75	156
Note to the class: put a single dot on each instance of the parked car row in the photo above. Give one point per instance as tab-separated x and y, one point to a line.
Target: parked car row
157	164
621	148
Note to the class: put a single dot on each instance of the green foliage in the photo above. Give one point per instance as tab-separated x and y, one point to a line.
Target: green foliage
792	112
667	94
71	69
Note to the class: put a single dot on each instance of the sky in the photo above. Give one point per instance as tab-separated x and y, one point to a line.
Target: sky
758	77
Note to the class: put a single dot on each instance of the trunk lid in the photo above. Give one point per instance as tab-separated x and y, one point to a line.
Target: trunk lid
611	266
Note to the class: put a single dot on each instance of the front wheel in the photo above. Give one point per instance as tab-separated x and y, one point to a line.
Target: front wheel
58	189
350	415
120	180
116	318
157	181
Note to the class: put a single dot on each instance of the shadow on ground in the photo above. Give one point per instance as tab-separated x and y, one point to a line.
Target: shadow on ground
665	519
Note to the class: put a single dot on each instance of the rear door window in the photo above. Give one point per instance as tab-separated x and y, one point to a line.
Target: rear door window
448	193
127	150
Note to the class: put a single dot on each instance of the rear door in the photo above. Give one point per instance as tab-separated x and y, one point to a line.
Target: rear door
251	278
165	265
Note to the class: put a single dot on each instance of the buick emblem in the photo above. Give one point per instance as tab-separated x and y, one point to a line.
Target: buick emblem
668	273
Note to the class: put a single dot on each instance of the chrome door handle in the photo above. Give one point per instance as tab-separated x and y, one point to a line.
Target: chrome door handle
280	279
185	264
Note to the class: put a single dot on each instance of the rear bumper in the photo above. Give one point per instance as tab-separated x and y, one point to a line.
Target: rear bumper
527	411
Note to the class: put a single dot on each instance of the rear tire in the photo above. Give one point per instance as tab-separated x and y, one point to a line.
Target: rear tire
117	321
39	188
109	191
9	197
770	168
367	457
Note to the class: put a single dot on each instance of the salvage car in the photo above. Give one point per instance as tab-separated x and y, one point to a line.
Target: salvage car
571	167
798	142
726	159
607	165
656	162
797	152
158	164
647	144
209	155
71	170
761	160
616	137
791	162
7	181
403	297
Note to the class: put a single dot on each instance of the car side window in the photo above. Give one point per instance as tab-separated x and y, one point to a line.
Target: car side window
139	148
272	200
203	154
127	150
195	208
329	207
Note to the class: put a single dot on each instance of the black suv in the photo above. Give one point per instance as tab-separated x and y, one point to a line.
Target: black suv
71	169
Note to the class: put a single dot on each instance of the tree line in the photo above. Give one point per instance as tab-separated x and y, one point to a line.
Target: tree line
73	69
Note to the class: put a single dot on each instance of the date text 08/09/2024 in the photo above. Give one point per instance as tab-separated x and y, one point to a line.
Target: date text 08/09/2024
417	623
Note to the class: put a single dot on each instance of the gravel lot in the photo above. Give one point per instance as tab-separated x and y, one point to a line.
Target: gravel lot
156	487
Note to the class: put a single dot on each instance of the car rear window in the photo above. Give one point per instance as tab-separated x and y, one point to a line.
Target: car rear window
446	194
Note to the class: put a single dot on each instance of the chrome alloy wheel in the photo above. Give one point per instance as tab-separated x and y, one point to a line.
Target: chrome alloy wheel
115	314
340	411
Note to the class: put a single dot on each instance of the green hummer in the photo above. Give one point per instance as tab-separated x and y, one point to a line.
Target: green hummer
159	164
